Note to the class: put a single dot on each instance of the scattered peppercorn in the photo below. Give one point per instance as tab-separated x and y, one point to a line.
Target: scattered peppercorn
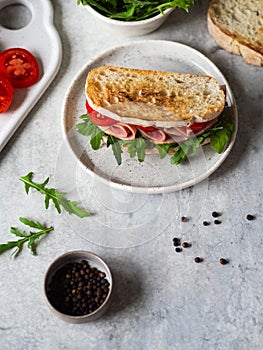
178	249
186	245
184	219
198	259
250	217
223	261
206	223
78	289
215	214
176	241
217	222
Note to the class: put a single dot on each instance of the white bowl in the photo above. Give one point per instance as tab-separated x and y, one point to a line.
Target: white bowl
133	28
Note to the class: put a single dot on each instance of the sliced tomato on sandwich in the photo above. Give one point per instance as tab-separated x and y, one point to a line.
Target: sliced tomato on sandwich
198	126
98	118
146	128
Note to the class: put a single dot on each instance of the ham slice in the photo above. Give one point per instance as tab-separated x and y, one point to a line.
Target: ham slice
183	133
157	136
121	131
179	131
125	131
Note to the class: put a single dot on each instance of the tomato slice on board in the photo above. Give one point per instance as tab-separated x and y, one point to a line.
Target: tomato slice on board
19	66
98	118
198	126
6	94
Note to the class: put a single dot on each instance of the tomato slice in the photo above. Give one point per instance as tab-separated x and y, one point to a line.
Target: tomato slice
98	118
19	66
6	94
198	126
146	128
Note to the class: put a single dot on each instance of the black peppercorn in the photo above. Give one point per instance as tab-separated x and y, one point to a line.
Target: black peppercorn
186	245
206	223
217	222
223	261
250	217
178	249
184	219
176	241
215	214
198	259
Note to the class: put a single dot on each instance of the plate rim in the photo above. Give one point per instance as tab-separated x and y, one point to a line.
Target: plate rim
153	189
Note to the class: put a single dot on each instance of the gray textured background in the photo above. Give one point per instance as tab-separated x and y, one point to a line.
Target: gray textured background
162	300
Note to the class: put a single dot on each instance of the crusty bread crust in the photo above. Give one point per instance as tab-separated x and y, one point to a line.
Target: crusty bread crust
148	97
231	37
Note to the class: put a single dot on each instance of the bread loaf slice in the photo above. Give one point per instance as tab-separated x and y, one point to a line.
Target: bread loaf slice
237	26
153	98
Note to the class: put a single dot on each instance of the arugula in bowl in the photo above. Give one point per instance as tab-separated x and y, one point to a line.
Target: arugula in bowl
134	10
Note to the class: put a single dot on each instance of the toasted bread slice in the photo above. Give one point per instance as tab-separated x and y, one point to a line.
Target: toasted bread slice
153	98
237	26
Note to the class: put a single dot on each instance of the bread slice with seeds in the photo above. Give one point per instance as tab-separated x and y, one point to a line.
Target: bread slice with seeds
237	26
153	98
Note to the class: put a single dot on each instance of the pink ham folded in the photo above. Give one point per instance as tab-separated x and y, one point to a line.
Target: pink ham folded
159	135
121	131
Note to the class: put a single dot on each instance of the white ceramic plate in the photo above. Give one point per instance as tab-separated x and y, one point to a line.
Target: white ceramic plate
40	37
153	175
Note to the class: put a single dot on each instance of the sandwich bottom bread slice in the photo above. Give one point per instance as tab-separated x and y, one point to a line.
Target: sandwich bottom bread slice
146	111
237	26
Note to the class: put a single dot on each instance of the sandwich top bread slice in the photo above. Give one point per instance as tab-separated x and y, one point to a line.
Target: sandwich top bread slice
237	26
153	98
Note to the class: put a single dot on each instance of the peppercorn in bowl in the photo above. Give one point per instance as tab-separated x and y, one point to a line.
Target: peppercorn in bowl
78	286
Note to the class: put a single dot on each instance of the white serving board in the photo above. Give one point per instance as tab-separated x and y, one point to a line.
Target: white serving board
40	37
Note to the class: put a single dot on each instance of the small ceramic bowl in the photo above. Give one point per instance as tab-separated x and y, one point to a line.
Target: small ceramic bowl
133	28
54	282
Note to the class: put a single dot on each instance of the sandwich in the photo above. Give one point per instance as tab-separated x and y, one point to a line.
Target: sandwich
149	111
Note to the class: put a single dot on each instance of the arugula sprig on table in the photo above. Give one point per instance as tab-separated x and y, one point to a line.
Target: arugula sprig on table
134	10
30	238
218	136
51	194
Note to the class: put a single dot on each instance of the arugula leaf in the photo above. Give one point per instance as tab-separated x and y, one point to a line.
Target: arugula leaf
140	146
30	238
116	147
137	147
87	128
51	194
163	149
134	10
219	136
183	150
33	224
